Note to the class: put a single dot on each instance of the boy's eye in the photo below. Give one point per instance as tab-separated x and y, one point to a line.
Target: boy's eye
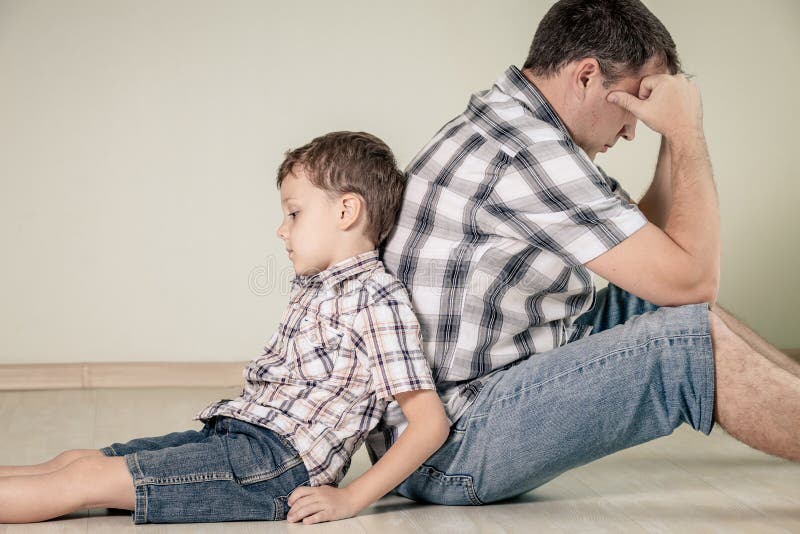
292	214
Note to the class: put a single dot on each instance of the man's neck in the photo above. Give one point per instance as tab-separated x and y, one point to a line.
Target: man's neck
553	90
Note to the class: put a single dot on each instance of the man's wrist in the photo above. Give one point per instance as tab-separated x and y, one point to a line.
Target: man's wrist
683	143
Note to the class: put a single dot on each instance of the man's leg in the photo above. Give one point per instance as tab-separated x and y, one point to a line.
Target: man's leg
757	402
561	409
613	390
88	482
59	462
758	343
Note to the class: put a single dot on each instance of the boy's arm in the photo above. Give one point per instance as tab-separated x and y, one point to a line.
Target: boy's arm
427	430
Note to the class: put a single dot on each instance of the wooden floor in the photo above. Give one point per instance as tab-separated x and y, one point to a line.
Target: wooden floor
683	483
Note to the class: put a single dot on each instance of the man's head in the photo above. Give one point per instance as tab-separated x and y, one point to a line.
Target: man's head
584	49
340	196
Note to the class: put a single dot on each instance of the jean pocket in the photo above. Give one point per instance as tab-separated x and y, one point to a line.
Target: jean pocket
254	455
432	485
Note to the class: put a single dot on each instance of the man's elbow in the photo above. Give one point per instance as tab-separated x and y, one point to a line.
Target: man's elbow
705	289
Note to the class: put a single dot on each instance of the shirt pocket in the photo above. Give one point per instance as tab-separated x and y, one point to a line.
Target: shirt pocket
314	349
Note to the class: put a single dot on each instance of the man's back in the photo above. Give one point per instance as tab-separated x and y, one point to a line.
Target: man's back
500	212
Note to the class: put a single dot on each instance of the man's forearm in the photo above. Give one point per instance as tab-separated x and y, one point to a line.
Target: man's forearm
656	202
693	216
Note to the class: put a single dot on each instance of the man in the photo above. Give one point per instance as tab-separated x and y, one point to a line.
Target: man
505	215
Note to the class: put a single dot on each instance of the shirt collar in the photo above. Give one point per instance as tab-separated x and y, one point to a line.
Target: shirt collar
343	270
514	83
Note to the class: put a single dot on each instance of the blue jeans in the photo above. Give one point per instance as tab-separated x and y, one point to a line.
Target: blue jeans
642	372
229	470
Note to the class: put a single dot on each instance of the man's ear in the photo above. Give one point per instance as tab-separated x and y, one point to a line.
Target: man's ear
585	74
349	208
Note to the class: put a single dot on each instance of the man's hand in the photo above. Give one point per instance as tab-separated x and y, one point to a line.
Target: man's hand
670	105
320	503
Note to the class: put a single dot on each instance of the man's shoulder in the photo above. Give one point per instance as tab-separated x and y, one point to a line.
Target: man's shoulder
514	117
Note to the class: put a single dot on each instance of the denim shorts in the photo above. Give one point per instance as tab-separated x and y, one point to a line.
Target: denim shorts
643	371
230	470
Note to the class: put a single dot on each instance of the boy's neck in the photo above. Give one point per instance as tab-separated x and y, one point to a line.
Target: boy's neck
349	250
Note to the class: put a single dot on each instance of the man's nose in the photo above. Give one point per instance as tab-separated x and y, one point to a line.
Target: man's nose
629	129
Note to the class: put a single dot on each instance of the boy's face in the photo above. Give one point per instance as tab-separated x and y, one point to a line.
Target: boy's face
309	224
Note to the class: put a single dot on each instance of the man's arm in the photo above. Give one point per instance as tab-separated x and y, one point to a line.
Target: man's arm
678	264
428	428
656	202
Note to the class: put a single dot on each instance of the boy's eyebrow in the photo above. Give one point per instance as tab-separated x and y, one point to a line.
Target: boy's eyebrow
287	199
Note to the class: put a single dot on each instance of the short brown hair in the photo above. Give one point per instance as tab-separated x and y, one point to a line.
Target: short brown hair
622	35
353	162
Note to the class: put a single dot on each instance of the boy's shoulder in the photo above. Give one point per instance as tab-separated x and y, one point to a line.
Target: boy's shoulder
379	287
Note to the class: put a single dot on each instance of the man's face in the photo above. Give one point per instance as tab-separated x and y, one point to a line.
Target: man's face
600	123
309	224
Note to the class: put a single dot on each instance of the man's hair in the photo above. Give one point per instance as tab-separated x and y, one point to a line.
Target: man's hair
622	35
353	162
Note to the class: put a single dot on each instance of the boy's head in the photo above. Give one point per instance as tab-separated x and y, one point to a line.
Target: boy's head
340	196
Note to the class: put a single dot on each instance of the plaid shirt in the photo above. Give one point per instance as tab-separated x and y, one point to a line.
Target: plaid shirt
348	342
501	211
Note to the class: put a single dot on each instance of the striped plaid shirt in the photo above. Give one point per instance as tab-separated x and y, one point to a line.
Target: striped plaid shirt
501	211
348	342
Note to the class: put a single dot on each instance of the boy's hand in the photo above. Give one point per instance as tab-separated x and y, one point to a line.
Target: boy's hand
320	503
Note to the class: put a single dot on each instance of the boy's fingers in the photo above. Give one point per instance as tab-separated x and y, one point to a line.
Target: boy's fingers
319	517
302	491
304	510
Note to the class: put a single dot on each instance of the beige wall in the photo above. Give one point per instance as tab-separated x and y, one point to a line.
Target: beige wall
139	139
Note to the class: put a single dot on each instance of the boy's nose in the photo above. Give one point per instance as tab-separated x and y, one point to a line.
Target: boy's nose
282	231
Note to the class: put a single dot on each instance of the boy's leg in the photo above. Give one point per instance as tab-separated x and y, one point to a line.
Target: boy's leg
172	439
88	482
59	462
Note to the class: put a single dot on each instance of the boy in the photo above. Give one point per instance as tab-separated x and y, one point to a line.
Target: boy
347	344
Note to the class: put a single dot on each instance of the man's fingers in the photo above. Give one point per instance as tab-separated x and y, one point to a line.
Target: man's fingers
625	100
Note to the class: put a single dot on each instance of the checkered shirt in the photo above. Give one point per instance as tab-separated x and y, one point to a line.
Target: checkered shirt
501	211
348	342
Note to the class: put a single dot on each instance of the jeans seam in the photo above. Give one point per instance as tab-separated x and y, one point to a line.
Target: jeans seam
269	475
595	360
141	504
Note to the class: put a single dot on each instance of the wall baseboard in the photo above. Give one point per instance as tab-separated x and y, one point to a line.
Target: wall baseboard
120	375
134	375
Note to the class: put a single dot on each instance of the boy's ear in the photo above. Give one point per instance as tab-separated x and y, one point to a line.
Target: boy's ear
349	209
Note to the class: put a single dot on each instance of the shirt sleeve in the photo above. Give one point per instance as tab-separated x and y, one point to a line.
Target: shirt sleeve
553	196
389	339
617	188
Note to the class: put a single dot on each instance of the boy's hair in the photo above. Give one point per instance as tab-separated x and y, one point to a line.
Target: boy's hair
353	162
622	35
